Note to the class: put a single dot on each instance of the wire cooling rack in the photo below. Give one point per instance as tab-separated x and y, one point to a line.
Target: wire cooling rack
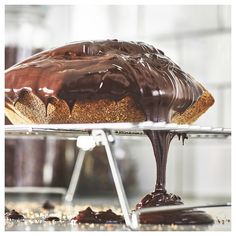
74	130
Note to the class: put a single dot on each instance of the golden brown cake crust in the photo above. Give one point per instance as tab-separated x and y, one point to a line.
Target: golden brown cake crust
29	109
195	111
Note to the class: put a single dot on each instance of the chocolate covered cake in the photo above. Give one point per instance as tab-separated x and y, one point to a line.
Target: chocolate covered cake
107	81
102	81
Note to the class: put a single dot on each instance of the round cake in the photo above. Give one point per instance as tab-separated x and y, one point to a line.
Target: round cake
102	81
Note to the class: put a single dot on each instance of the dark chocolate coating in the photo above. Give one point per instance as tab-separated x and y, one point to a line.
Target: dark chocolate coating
106	69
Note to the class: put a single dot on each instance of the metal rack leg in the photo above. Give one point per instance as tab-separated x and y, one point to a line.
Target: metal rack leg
75	176
106	141
105	138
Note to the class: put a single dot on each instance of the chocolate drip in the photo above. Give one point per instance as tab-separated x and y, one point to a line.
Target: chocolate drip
20	94
182	136
160	142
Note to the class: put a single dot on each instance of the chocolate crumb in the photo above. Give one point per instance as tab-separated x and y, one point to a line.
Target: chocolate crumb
14	215
52	218
47	205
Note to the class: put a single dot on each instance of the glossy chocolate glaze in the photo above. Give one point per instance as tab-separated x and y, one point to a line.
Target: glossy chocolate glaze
106	69
102	217
112	69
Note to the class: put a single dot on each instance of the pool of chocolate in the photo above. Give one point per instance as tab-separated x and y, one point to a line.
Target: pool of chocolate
178	217
29	214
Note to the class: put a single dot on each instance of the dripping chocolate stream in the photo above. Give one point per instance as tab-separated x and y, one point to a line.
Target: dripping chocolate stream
160	142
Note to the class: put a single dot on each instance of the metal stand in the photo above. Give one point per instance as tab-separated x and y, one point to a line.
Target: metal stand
75	176
85	143
101	135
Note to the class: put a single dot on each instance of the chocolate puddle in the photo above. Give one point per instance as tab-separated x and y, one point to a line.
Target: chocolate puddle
178	217
112	69
190	217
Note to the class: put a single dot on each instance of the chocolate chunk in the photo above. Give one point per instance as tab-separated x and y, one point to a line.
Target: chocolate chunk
86	216
48	205
14	215
109	217
104	217
52	218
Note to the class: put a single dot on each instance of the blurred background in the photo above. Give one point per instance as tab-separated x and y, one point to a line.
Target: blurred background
197	38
